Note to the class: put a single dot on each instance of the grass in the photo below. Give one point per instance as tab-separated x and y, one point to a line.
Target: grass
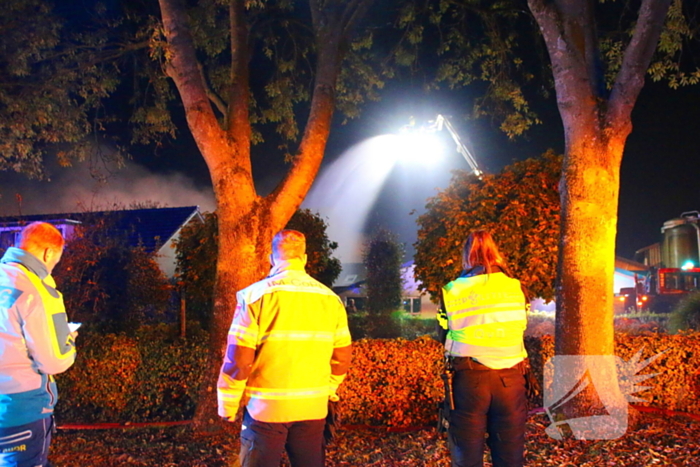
656	440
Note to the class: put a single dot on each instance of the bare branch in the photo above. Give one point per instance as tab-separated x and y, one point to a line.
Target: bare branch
182	68
213	96
354	12
315	7
636	60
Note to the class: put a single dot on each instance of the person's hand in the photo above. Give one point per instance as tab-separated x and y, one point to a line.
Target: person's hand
235	418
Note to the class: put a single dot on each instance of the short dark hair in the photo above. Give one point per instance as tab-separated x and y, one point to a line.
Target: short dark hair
288	244
40	235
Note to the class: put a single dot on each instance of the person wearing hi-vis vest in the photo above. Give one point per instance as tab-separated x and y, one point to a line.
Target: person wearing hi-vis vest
35	344
484	317
288	351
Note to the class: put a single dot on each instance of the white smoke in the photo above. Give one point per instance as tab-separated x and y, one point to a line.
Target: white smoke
74	189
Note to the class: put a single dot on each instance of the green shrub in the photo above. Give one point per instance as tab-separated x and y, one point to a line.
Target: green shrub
393	382
686	315
155	376
117	378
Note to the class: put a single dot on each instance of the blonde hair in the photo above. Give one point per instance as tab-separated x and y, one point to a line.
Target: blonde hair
288	244
480	250
38	236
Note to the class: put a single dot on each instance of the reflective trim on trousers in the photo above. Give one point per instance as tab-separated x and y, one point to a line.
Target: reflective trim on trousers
26	445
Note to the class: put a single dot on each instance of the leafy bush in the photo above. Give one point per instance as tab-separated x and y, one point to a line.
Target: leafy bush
117	378
520	206
392	382
382	257
108	284
686	315
677	383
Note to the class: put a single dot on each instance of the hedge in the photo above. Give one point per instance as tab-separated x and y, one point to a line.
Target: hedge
392	382
151	377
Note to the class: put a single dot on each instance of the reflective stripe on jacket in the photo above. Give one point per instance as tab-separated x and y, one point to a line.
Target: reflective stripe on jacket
35	341
487	319
294	323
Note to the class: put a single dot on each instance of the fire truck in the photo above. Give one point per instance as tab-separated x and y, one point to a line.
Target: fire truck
673	267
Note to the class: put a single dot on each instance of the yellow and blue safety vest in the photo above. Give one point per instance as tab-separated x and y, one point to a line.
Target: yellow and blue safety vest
35	342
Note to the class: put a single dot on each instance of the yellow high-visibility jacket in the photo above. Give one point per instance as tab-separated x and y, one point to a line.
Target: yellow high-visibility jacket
294	323
486	316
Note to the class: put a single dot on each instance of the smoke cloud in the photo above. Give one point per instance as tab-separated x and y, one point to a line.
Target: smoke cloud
75	189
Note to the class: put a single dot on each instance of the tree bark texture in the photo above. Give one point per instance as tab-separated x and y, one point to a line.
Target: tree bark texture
247	221
596	126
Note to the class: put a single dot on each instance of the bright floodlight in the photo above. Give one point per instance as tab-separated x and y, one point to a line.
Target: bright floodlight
420	148
688	265
426	139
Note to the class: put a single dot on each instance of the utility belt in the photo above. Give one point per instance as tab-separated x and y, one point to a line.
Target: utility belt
470	363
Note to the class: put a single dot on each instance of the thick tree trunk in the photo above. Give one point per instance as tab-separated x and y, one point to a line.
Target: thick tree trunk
589	196
596	127
247	221
244	248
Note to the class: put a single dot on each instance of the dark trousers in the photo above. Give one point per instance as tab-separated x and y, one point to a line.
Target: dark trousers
262	443
493	402
26	445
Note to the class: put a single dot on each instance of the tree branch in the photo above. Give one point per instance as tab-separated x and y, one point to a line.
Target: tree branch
213	96
353	13
238	118
635	61
182	68
315	7
568	30
330	38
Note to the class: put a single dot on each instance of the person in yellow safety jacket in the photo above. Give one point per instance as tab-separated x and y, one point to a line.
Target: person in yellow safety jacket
35	344
484	316
288	350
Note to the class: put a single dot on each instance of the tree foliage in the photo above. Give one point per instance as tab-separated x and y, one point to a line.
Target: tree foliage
519	206
108	283
382	257
53	80
496	47
320	264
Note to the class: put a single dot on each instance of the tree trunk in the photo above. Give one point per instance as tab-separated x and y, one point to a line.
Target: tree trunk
589	196
596	127
247	221
244	248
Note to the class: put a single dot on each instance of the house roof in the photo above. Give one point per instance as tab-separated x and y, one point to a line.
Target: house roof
150	228
351	275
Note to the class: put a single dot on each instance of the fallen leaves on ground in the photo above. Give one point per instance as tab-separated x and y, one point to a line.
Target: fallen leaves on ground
658	440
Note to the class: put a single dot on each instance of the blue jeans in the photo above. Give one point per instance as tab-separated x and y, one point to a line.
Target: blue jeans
26	445
493	402
262	443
